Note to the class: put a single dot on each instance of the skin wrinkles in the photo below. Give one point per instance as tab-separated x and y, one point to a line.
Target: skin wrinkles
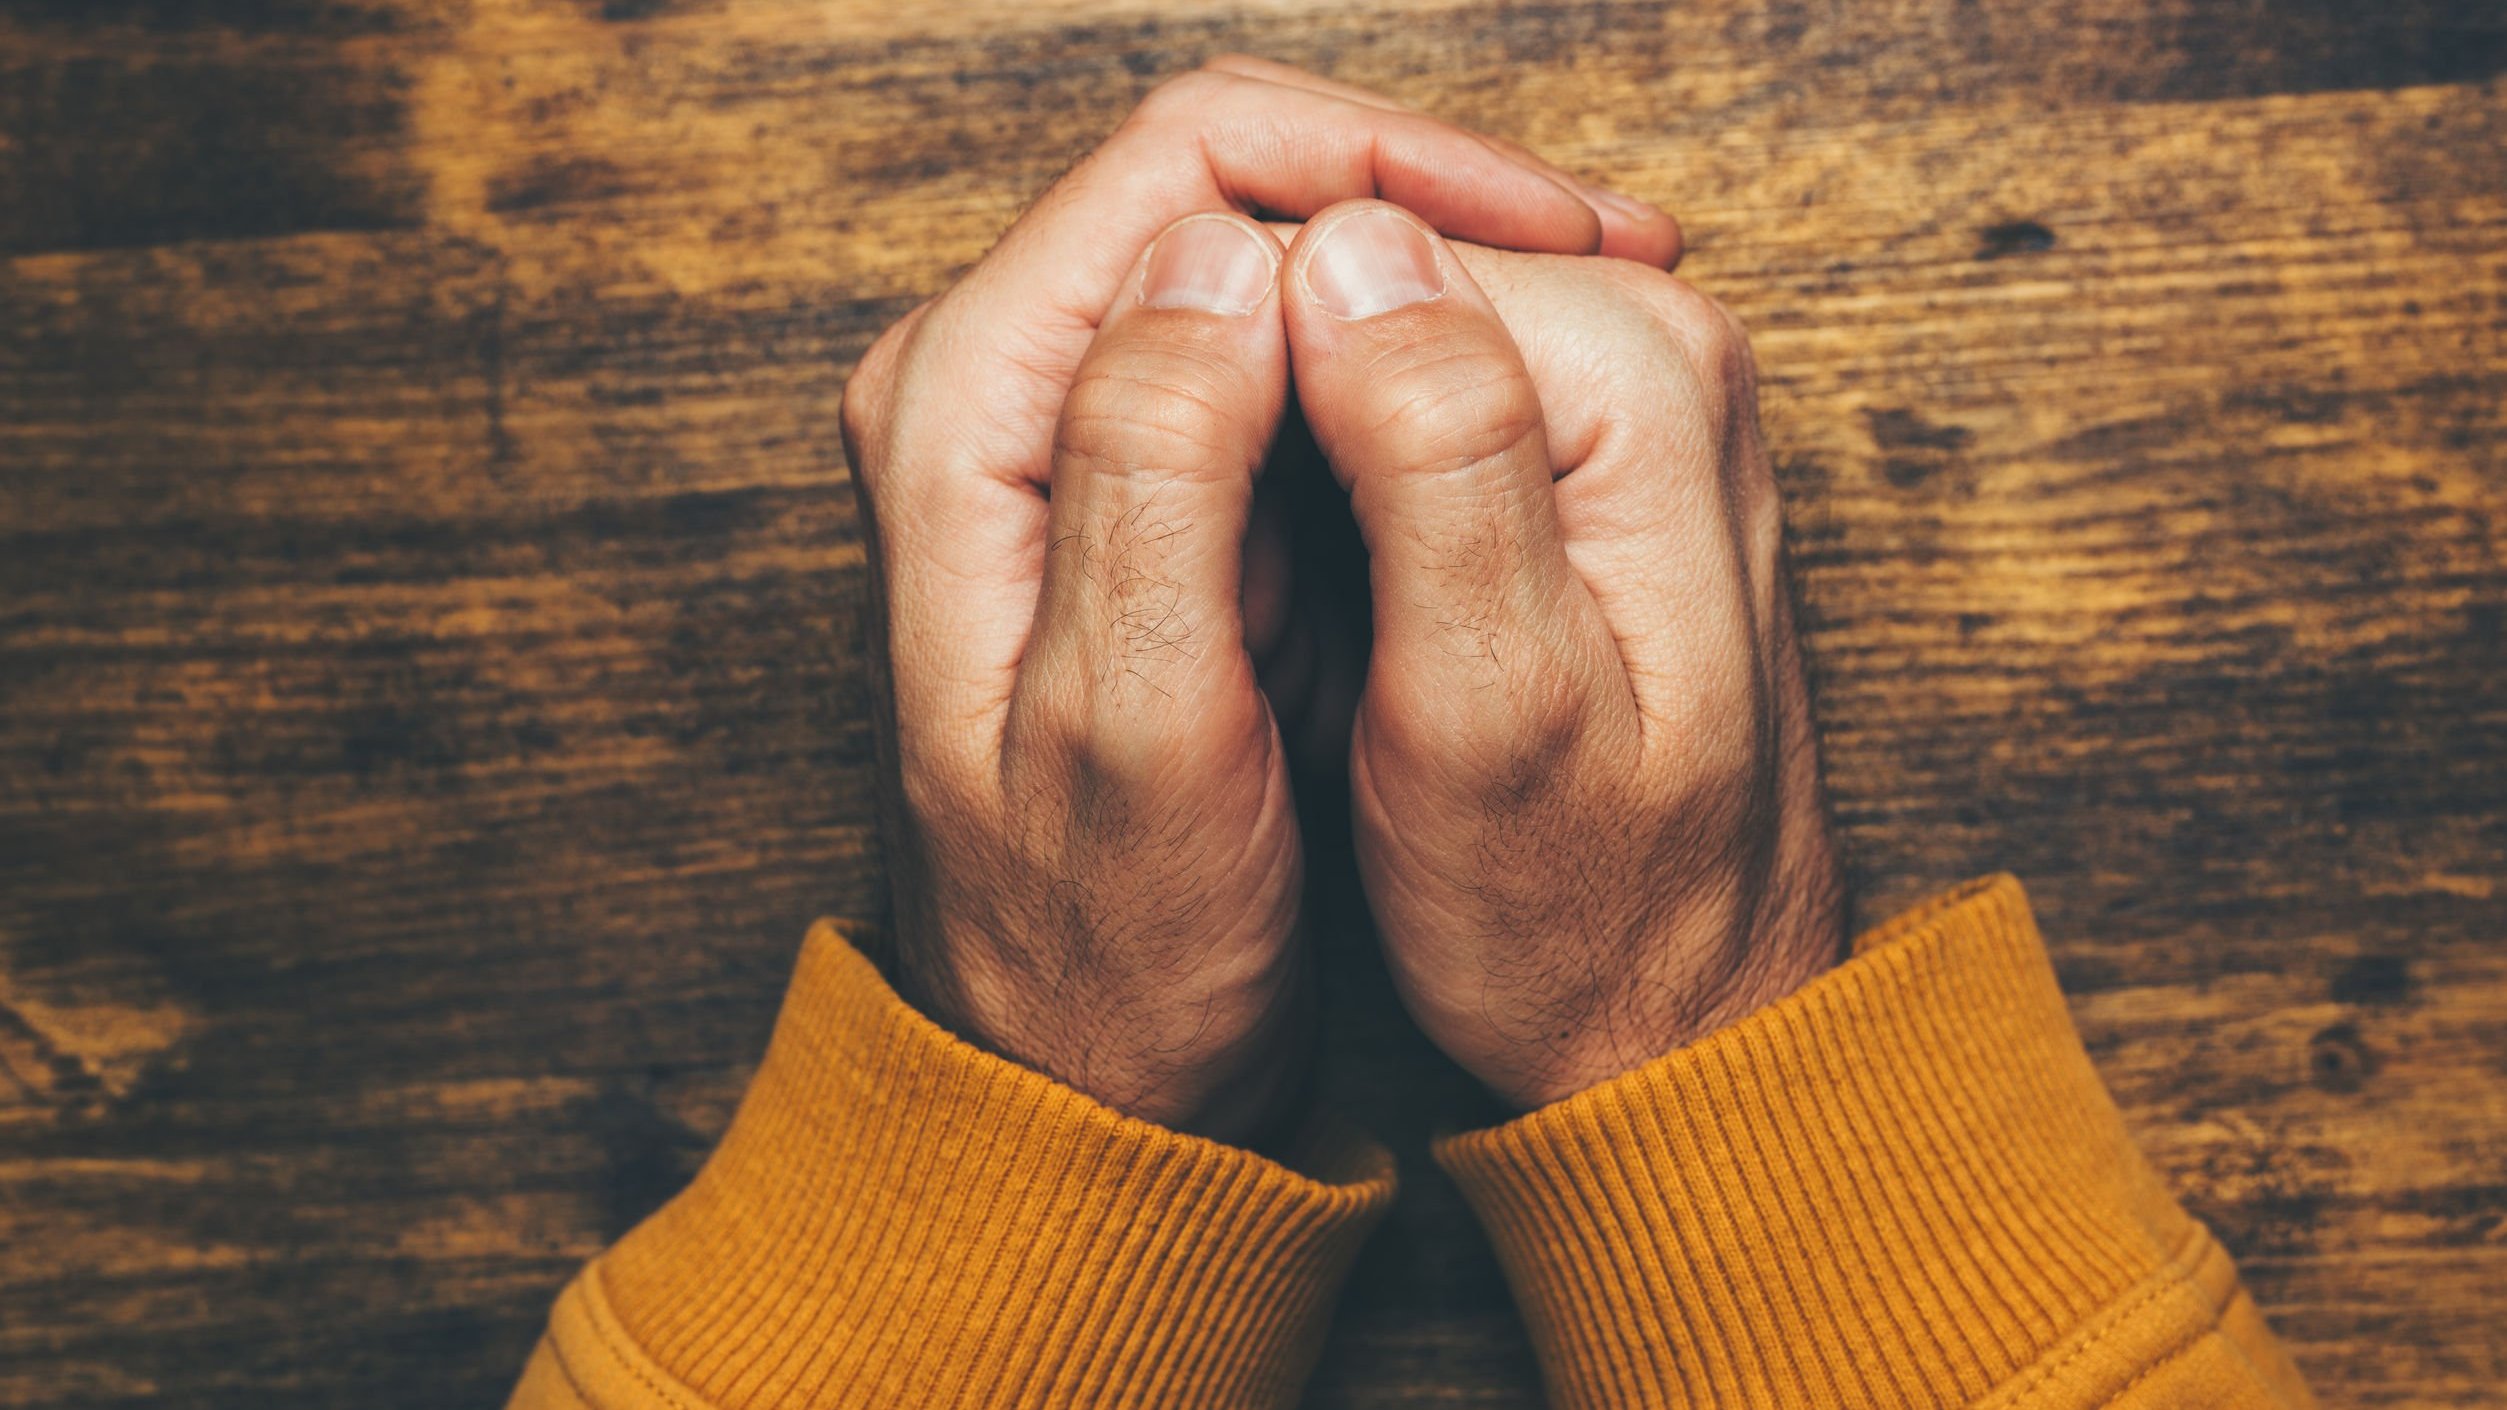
1584	801
1630	848
1456	416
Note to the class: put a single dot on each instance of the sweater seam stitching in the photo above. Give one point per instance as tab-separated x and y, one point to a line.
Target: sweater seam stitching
557	1353
2177	1274
2174	1355
628	1356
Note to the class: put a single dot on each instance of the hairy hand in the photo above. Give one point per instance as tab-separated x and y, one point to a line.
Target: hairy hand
1096	861
1585	786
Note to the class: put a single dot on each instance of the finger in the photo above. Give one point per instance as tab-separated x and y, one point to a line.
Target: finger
961	499
1291	76
1138	648
1422	162
1664	500
1216	140
1675	519
1631	229
1421	402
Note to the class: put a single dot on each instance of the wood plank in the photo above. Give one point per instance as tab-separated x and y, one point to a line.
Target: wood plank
431	700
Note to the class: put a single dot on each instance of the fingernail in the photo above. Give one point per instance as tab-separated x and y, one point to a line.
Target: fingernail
1372	261
1210	263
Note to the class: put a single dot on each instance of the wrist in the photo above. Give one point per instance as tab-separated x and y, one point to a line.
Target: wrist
1231	1068
1795	932
1800	935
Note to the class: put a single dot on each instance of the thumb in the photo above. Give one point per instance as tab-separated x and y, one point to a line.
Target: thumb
1485	635
1138	647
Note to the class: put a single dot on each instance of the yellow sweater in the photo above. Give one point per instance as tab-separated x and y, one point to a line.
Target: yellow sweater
1902	1186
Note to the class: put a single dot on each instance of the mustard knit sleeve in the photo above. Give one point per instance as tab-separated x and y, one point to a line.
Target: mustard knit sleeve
1902	1186
898	1219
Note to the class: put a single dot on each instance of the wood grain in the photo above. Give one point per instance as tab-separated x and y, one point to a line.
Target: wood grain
431	699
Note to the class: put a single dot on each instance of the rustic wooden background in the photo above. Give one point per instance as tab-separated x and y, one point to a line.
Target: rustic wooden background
431	700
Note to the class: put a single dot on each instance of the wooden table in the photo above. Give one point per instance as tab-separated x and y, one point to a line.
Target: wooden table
432	702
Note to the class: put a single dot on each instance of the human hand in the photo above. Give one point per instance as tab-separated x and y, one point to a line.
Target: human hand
1584	781
1095	856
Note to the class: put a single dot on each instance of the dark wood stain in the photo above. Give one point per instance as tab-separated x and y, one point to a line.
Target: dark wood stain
432	697
2014	237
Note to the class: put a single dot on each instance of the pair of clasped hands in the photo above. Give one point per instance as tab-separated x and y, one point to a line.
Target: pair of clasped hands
1582	783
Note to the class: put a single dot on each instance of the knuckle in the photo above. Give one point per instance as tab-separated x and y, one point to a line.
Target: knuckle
1507	756
1085	756
1510	738
1543	730
863	412
1712	336
1151	406
1095	769
1454	410
1706	342
1719	349
1728	343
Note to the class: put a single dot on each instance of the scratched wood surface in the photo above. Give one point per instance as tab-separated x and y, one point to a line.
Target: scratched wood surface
432	703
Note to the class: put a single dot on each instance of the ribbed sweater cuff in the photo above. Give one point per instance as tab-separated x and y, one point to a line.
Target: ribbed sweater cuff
896	1218
1903	1184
